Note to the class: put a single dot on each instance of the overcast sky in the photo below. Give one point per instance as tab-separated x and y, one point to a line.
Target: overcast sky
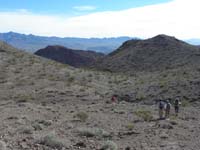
138	18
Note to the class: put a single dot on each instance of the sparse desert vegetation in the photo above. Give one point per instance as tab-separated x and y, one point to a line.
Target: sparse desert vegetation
47	105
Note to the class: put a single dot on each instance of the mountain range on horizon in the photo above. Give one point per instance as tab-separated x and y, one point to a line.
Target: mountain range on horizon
32	43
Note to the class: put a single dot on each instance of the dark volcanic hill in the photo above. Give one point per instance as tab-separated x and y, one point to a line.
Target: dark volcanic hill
155	54
76	58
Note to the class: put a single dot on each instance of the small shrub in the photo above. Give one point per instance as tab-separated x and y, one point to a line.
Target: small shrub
25	130
52	78
45	122
82	116
173	122
71	79
22	101
91	132
22	98
141	81
129	126
13	118
37	126
109	145
82	90
144	114
52	141
140	97
90	75
185	103
173	117
162	83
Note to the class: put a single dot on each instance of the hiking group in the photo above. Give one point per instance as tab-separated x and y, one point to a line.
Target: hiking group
165	107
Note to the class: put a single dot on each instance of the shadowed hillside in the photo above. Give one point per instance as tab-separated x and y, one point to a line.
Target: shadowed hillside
76	58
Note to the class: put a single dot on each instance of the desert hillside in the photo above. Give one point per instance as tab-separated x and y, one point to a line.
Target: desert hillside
46	105
155	54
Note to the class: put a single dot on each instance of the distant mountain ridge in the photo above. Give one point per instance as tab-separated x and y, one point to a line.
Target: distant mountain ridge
32	43
75	58
155	54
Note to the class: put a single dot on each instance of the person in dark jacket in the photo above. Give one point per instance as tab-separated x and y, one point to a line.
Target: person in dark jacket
161	108
167	109
177	104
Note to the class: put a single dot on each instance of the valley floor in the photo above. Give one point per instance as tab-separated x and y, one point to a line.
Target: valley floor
88	125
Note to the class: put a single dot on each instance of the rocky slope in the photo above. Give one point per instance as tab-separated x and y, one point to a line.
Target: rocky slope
76	58
45	105
156	54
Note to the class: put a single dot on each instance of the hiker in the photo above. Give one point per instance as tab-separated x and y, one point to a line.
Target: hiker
114	98
161	109
167	109
176	106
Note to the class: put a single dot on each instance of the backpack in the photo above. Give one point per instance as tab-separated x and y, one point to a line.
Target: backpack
161	105
168	106
176	103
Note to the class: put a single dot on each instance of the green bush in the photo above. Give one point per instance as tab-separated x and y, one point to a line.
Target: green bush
71	79
92	132
82	116
37	126
25	130
52	141
130	127
22	98
185	103
109	145
144	114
